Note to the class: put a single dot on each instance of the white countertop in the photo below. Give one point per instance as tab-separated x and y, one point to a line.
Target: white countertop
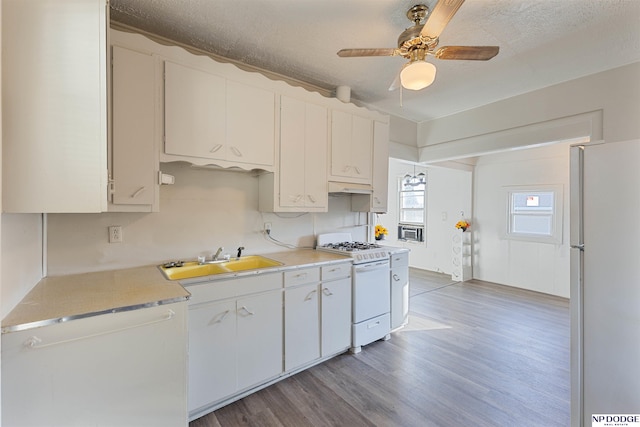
62	298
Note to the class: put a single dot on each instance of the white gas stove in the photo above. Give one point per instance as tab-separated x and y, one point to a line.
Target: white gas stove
371	287
360	252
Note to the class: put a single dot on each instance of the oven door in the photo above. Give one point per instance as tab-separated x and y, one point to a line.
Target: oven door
371	290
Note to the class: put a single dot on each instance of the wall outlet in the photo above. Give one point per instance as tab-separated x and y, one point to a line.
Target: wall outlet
267	227
115	234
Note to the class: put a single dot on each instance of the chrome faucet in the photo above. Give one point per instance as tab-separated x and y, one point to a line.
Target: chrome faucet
240	249
217	254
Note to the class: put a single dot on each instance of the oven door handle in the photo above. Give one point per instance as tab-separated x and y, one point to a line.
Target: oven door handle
369	266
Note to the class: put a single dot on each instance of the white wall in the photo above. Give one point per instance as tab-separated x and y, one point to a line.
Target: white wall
449	191
21	257
613	97
601	106
205	209
541	267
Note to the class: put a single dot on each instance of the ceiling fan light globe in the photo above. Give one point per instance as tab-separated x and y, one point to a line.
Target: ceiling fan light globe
417	75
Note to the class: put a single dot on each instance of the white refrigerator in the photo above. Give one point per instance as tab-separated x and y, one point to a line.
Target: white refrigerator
605	280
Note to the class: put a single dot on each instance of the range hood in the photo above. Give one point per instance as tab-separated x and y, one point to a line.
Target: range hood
349	188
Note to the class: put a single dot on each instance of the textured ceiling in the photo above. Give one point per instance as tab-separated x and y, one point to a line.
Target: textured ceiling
542	42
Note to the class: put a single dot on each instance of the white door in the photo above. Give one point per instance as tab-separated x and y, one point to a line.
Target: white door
606	341
250	124
292	152
301	326
134	163
315	169
212	352
194	112
336	316
259	320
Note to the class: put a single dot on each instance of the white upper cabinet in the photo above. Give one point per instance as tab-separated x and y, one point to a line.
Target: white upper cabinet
195	113
250	124
210	117
300	183
351	148
213	113
134	161
54	97
376	202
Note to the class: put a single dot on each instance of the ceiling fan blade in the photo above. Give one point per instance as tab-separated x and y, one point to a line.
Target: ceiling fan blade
440	17
472	53
346	53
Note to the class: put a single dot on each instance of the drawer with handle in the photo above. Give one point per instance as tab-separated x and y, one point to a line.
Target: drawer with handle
302	276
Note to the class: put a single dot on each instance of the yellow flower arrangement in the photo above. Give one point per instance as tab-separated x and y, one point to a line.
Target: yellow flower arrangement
380	231
462	225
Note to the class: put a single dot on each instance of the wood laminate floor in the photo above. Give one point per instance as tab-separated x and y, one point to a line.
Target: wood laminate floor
474	354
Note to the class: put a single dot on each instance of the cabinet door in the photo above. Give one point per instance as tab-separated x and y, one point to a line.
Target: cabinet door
292	152
303	155
117	369
399	296
361	148
54	85
301	326
336	316
316	141
134	162
212	352
250	124
340	144
195	112
380	178
259	335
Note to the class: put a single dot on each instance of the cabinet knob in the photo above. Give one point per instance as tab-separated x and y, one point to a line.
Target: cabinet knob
396	278
327	292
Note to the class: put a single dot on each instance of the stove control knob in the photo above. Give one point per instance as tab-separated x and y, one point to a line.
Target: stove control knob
359	257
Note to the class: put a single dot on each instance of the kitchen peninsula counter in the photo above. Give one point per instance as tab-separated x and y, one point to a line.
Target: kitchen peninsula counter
62	298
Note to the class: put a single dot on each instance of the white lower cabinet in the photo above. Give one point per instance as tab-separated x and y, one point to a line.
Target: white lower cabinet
116	369
399	289
259	338
212	352
336	315
245	333
302	325
317	314
235	338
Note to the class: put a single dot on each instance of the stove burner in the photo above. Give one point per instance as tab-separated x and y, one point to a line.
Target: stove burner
352	246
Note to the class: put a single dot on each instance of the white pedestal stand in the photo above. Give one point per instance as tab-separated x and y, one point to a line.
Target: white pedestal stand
461	256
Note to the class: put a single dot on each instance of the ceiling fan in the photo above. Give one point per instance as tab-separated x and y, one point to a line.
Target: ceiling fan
421	40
